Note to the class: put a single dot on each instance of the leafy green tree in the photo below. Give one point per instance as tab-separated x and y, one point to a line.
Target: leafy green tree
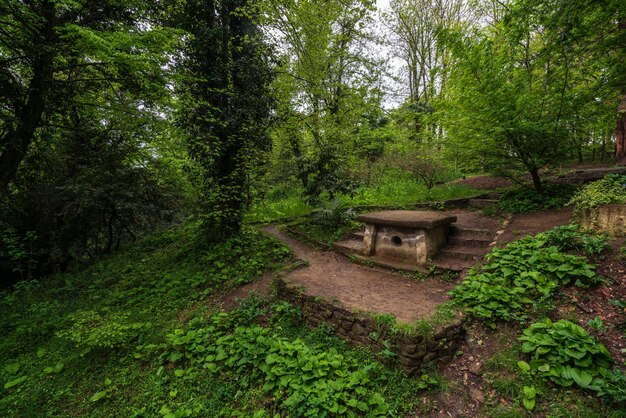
595	30
225	106
413	26
513	96
98	187
53	49
325	86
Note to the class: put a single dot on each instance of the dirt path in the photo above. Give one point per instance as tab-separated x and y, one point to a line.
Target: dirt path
358	288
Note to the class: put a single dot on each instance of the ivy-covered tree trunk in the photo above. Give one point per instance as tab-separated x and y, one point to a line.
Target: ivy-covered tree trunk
225	108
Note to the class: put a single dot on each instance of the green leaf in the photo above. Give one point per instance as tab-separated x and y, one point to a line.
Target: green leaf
99	395
12	368
15	382
529	404
529	392
581	377
523	365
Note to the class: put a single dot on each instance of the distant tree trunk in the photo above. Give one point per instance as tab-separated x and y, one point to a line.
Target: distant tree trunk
620	132
580	154
620	128
534	173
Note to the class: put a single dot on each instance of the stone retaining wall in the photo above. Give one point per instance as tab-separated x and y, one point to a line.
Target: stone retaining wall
610	219
414	352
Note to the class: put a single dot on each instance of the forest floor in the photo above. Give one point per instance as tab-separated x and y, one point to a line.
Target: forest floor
364	289
373	289
481	379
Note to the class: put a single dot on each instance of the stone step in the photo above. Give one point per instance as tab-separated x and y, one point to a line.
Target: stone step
452	264
472	233
462	253
496	196
357	235
464	241
348	247
482	203
393	264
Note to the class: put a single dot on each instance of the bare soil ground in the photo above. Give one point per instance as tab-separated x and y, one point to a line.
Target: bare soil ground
531	223
475	219
485	182
360	288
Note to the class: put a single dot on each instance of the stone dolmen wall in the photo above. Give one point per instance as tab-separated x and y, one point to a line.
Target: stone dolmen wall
414	351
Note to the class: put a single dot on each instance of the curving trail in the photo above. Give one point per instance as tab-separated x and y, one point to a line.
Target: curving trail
358	288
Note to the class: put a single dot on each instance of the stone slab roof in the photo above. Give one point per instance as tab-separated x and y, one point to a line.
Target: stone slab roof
419	219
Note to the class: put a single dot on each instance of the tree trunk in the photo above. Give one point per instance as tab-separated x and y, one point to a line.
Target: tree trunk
620	128
580	154
18	140
620	133
534	173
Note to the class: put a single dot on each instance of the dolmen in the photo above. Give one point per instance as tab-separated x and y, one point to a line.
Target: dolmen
409	236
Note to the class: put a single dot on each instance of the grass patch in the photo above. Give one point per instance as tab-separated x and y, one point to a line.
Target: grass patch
399	191
132	335
394	190
324	233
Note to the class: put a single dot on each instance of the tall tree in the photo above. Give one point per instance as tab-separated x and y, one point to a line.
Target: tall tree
514	95
325	81
52	49
225	105
596	30
413	27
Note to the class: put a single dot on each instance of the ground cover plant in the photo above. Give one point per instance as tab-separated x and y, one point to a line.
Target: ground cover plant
610	189
85	324
522	276
529	200
140	140
138	334
565	354
393	190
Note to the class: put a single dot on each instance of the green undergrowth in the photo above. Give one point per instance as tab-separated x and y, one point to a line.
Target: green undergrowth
565	354
138	335
443	315
398	190
610	189
64	335
523	276
516	375
315	376
322	233
529	200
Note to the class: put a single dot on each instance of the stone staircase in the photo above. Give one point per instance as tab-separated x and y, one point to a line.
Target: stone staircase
466	246
486	201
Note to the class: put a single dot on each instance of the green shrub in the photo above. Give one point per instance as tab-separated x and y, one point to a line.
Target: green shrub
529	200
569	237
303	381
566	354
331	215
93	330
610	189
522	274
243	258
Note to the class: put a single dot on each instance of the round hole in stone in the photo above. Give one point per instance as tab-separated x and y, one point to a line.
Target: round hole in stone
397	241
